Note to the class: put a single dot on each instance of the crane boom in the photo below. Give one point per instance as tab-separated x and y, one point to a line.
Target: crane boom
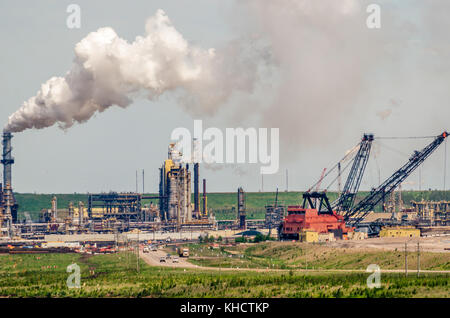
351	187
355	215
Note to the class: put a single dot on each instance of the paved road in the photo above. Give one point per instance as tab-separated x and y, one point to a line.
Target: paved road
152	258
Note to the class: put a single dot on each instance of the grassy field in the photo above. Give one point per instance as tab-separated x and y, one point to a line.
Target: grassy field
115	275
223	204
288	255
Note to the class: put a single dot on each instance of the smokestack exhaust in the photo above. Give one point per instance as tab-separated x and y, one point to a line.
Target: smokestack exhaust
160	61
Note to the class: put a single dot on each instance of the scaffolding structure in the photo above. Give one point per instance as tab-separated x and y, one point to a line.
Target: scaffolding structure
433	213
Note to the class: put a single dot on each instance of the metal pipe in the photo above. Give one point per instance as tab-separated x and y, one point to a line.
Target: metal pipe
188	198
204	197
196	190
241	215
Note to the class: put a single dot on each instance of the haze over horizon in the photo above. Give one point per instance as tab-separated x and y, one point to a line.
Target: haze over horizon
314	71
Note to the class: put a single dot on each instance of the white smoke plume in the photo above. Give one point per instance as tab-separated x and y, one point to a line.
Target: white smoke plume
334	70
108	71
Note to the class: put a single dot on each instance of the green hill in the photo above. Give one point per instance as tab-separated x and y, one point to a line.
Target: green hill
223	204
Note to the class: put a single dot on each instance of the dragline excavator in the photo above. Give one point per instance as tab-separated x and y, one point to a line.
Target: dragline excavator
316	213
343	215
354	216
347	197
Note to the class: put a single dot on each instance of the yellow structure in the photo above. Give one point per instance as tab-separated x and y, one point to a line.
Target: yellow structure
308	236
357	235
168	165
205	213
407	231
85	212
98	212
326	237
435	212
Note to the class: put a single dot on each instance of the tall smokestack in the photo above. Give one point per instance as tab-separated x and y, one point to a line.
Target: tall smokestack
241	209
204	198
196	190
7	160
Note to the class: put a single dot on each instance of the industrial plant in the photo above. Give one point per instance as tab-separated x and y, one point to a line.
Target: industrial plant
173	211
116	212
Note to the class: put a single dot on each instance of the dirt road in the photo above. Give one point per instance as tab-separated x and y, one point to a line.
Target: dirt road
439	244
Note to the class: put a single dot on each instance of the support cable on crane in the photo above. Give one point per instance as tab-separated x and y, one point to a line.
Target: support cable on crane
359	212
410	137
347	155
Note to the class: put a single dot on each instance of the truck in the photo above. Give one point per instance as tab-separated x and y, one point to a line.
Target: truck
183	251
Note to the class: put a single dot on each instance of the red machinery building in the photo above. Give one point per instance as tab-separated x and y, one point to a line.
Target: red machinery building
315	214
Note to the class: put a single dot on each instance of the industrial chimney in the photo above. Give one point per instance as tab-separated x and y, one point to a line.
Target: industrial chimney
196	190
241	215
205	204
10	205
7	159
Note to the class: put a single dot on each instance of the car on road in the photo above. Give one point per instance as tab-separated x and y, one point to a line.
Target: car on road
146	249
168	240
162	260
154	249
175	259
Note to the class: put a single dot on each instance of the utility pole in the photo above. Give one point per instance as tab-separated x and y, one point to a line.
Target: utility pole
379	175
420	178
127	252
137	254
418	259
116	237
406	260
287	180
136	181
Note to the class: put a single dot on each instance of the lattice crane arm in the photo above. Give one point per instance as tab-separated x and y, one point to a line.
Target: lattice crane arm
351	187
355	215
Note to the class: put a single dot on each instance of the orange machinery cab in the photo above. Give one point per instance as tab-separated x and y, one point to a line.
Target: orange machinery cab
316	216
